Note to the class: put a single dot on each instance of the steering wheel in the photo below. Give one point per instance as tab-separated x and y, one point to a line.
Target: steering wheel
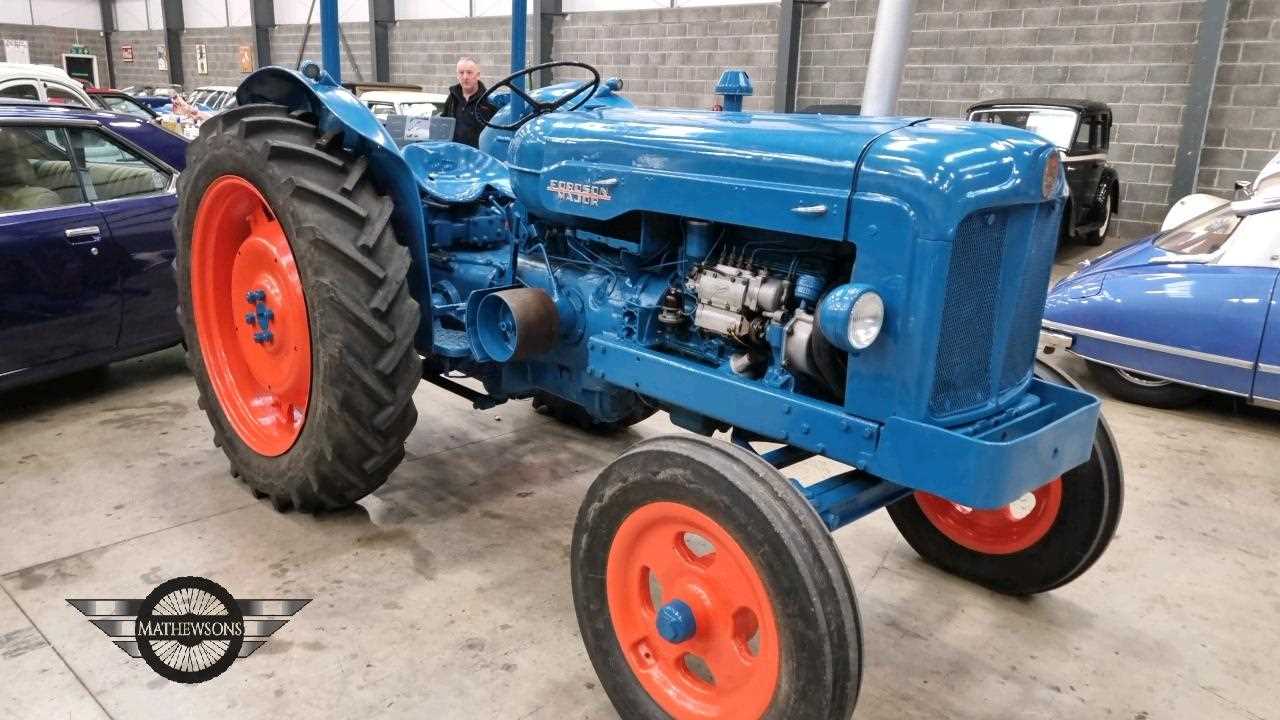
586	90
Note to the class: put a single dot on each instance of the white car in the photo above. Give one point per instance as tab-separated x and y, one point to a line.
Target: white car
42	83
1265	185
214	97
384	103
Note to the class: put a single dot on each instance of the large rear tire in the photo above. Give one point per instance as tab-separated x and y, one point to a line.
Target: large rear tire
1027	547
293	297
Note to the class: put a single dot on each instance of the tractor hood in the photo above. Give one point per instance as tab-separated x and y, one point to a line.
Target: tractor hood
789	173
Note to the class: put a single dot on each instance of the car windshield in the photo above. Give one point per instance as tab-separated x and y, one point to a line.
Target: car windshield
1057	125
1202	235
118	104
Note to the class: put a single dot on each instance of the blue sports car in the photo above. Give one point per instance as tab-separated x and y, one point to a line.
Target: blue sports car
1189	310
86	200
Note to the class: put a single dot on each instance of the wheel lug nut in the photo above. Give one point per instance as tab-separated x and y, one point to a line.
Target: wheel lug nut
250	319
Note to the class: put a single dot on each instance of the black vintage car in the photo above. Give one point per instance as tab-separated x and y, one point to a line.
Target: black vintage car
1082	131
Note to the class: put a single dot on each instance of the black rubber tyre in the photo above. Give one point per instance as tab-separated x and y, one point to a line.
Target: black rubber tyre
819	630
1142	390
571	413
362	320
1102	202
1092	500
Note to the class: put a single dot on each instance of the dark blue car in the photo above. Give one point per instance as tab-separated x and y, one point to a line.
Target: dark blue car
86	199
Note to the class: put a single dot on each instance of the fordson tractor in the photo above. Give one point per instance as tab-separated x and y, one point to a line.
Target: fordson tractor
867	290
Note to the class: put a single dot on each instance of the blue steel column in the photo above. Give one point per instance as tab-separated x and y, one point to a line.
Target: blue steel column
329	38
519	18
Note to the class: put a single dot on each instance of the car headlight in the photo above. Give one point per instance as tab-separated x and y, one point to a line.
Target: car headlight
851	316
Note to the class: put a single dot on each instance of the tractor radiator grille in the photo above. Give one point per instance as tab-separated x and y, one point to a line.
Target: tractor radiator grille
1028	307
962	378
996	285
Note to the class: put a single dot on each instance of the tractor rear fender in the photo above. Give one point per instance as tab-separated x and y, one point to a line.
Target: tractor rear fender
338	111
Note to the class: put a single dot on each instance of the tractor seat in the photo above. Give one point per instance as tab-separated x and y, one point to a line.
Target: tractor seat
455	173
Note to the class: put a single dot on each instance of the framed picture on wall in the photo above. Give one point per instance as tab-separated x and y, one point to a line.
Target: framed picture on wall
202	60
126	53
162	58
246	59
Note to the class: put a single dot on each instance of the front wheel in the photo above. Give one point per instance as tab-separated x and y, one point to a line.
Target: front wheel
1042	541
706	587
1144	389
293	296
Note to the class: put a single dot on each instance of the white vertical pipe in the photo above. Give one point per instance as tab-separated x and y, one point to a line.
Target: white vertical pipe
888	56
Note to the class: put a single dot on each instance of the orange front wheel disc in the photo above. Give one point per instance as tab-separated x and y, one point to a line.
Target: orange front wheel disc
707	588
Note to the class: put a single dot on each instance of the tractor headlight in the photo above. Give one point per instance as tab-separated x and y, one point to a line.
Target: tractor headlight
1049	183
851	316
866	320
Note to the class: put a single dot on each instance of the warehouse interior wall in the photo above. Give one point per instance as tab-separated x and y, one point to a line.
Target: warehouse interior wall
1136	56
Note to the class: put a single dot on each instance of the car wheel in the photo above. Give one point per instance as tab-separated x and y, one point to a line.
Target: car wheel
1143	389
1103	201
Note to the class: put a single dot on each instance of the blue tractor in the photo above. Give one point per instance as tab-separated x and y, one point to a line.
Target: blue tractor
867	290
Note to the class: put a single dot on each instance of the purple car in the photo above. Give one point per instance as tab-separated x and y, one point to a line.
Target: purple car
86	199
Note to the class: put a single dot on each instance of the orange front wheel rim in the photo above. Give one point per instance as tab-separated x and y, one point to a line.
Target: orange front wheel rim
1001	531
251	315
692	614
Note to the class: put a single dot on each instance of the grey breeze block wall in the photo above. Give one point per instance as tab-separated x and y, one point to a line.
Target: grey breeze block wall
286	39
46	44
426	52
222	55
1244	119
674	57
143	70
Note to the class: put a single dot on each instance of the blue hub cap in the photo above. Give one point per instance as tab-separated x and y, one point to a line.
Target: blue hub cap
675	622
261	316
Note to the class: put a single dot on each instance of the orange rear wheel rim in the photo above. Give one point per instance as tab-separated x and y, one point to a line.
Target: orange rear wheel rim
251	315
728	667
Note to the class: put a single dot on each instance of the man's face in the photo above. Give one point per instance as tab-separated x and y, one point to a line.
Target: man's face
468	77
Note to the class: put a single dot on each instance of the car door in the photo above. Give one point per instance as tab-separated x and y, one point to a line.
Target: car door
1194	323
135	192
1084	162
1266	384
59	292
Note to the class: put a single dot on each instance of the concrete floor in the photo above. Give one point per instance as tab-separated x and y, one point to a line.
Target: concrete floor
446	594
